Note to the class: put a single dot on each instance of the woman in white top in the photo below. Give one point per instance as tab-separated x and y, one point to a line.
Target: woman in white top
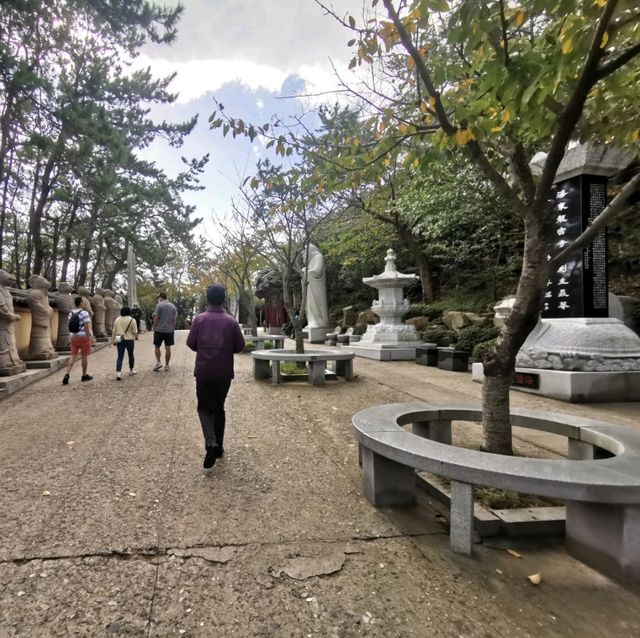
125	331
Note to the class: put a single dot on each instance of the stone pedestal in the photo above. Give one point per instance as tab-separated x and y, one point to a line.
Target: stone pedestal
606	537
317	335
13	370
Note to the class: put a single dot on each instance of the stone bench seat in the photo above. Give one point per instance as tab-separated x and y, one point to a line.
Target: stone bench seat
266	363
602	495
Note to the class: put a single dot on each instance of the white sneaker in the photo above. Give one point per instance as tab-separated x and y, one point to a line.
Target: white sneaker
166	368
158	366
132	371
119	376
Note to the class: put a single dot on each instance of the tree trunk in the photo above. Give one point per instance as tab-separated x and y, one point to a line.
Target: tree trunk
498	370
66	254
496	419
421	261
35	219
86	248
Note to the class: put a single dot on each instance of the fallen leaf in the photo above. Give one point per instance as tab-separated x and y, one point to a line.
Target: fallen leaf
535	579
514	553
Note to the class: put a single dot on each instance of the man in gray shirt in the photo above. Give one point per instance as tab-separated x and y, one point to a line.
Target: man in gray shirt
164	325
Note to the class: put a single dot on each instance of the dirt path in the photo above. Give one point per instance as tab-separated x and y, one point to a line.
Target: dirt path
110	526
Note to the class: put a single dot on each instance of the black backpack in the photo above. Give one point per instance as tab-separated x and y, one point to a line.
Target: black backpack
74	322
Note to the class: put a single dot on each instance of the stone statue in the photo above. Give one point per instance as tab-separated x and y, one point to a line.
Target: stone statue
99	309
40	346
119	304
65	305
10	362
110	310
84	292
317	310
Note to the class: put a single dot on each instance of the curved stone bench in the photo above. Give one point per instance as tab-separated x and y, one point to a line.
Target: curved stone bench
277	340
267	363
602	495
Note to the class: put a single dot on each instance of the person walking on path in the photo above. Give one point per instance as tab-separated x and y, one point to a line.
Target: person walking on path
136	313
125	333
80	338
164	326
215	337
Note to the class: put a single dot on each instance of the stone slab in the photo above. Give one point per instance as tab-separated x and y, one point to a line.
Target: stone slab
383	353
579	387
533	521
48	364
15	383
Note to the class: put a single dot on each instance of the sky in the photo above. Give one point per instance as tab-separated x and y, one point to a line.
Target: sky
251	56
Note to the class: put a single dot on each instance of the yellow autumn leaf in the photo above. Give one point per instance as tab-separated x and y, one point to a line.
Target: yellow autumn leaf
600	3
423	106
635	136
567	47
506	116
416	163
387	161
605	39
432	102
464	136
496	129
519	18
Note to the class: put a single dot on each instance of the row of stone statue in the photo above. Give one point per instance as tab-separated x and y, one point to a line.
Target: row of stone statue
104	307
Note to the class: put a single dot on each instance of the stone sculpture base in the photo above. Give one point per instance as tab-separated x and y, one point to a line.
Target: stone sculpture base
385	352
45	356
9	372
578	387
316	335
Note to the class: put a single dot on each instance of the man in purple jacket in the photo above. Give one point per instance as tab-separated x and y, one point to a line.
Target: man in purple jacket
215	337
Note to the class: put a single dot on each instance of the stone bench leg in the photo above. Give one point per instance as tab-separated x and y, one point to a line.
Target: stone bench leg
261	369
439	431
387	483
345	369
316	372
606	537
461	531
276	377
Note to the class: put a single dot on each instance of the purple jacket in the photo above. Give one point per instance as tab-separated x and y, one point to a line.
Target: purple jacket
215	336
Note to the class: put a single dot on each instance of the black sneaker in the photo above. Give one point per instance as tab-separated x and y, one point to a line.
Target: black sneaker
65	379
86	377
218	451
210	458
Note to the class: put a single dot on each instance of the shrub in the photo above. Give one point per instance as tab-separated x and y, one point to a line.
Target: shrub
438	334
471	336
250	345
459	302
483	350
268	345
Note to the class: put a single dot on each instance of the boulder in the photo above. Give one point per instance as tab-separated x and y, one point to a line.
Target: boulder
420	323
502	310
367	317
485	320
348	316
455	320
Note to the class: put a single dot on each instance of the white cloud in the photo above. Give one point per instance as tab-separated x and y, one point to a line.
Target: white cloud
197	77
259	103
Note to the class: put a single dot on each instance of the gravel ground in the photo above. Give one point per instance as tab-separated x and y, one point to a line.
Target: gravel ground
110	527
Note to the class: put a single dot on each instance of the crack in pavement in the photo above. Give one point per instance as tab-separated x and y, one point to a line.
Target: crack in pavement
152	552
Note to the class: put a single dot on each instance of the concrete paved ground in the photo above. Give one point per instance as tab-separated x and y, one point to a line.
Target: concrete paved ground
109	525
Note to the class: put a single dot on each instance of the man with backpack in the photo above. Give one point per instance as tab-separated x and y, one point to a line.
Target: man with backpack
81	335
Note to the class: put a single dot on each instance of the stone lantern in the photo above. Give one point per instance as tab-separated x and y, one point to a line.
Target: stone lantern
390	339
